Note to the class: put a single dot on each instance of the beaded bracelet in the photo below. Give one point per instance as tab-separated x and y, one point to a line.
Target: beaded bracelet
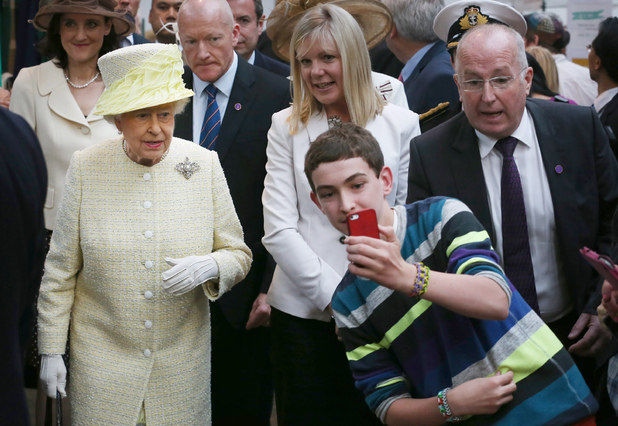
422	279
445	410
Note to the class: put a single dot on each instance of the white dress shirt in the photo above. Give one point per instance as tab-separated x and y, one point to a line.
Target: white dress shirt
553	295
200	100
575	81
604	98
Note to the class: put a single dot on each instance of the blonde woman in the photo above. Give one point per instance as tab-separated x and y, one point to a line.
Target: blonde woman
147	234
548	64
331	74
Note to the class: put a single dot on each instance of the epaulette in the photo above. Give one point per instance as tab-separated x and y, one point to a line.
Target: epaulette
433	112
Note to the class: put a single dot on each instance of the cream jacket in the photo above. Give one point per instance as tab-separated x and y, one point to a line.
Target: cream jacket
131	341
310	259
43	98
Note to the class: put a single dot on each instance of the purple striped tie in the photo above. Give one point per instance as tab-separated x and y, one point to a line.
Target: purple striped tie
515	244
212	120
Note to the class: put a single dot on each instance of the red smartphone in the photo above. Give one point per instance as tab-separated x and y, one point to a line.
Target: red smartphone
603	264
363	223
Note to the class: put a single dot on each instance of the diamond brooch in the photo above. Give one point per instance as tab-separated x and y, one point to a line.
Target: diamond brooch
187	168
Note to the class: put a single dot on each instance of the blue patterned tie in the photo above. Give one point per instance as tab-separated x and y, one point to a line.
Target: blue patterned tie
212	120
515	244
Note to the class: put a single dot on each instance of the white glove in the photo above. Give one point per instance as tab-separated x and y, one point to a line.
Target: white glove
54	375
187	273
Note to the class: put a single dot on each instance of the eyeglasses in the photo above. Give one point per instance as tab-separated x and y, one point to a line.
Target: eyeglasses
589	47
498	83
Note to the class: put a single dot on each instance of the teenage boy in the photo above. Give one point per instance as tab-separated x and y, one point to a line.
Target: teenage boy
427	308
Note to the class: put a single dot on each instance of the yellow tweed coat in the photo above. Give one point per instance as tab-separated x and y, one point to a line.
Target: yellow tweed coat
131	341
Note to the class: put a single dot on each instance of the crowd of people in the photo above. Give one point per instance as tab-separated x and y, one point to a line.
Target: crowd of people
176	247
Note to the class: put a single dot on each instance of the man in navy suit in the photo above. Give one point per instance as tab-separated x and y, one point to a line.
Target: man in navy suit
603	66
246	96
569	179
249	15
427	74
23	185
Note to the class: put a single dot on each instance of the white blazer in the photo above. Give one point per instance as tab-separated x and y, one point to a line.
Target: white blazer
310	259
43	98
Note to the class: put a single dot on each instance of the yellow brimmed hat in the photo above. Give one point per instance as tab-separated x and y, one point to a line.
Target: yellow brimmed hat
451	23
373	17
141	76
47	10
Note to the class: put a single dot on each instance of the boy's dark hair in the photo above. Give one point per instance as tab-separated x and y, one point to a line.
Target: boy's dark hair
605	46
50	46
342	142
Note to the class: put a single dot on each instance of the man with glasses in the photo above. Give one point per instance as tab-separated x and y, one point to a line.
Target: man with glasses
539	176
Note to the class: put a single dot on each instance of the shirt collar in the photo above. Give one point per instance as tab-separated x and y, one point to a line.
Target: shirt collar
252	58
408	68
223	85
604	98
523	133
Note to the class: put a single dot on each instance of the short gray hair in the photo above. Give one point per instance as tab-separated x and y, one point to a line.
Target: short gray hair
414	18
490	31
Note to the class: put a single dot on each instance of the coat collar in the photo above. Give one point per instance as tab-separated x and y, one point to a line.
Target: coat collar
51	83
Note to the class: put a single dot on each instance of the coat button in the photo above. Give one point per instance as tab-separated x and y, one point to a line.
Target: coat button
148	324
148	264
147	204
148	294
148	234
146	176
147	353
85	130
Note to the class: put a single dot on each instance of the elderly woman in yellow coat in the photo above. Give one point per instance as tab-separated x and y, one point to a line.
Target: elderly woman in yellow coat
146	235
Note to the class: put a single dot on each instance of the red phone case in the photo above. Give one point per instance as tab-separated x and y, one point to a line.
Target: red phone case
363	223
603	264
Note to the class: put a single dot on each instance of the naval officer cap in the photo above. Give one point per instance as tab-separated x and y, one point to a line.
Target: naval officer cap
455	19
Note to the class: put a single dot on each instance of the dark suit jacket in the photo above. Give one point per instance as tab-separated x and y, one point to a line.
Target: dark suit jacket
446	161
269	64
432	81
609	117
256	95
23	187
139	39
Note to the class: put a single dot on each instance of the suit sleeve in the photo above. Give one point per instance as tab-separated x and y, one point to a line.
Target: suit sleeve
314	277
232	255
606	169
64	262
22	96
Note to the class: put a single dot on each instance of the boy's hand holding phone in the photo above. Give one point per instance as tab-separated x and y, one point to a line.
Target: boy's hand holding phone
379	259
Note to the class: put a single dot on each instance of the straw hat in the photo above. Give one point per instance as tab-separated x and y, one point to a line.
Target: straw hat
373	17
141	76
47	10
454	20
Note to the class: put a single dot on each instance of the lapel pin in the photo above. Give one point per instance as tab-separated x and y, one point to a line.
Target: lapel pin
559	169
187	168
237	107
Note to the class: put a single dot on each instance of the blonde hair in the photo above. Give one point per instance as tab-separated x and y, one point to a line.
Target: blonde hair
329	23
547	62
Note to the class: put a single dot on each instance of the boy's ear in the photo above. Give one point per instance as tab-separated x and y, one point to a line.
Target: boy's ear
314	198
386	176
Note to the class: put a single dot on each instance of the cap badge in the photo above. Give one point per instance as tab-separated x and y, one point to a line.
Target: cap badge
472	17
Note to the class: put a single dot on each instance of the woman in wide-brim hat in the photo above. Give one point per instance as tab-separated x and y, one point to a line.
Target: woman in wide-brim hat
331	75
147	234
57	98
